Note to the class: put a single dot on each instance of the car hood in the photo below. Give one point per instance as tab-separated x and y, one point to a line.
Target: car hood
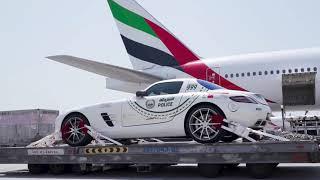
257	97
94	105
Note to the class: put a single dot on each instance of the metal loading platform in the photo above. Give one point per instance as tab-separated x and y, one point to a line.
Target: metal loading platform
261	158
180	153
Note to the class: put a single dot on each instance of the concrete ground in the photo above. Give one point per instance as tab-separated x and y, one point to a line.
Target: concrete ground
284	171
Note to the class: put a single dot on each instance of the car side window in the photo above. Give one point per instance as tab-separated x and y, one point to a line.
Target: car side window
164	88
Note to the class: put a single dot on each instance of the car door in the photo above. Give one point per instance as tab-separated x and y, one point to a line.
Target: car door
158	106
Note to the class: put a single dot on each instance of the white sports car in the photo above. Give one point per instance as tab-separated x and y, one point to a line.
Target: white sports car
173	108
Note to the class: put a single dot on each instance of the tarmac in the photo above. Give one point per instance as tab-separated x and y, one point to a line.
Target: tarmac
283	171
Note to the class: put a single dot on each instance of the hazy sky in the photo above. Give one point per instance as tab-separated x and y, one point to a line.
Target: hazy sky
33	29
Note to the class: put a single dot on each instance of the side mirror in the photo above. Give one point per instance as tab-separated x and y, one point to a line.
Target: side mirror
141	93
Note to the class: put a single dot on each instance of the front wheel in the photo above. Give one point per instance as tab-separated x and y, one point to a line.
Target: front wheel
74	132
204	123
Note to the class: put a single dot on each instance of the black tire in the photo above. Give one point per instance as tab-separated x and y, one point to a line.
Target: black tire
210	170
38	168
261	171
275	165
209	124
232	166
57	169
82	169
81	136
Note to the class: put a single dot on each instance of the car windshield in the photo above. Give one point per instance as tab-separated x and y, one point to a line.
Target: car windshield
209	85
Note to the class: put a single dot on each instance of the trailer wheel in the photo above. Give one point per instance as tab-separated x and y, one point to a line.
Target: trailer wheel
82	169
57	169
231	166
261	171
210	170
203	124
38	168
74	132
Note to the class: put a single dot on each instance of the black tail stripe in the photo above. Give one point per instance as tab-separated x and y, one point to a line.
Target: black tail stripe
149	54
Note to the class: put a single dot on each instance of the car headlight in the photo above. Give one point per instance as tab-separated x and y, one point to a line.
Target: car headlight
243	99
260	99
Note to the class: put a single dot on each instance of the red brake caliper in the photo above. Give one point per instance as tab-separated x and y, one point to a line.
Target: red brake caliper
65	131
84	130
217	119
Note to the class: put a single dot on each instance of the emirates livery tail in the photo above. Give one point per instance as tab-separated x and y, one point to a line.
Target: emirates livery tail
147	41
154	52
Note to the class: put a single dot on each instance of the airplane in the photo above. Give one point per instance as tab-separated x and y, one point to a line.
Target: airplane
282	77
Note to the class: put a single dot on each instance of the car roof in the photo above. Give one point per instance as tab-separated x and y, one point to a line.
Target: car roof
207	84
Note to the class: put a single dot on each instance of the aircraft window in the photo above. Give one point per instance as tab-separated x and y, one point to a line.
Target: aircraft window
315	69
278	71
226	76
231	75
302	69
248	74
266	72
242	74
237	75
271	72
296	70
308	69
260	73
254	73
290	71
165	88
283	71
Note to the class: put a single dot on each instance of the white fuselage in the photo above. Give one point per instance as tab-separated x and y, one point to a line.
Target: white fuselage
268	84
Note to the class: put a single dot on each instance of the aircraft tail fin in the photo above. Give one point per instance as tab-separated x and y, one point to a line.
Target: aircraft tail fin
147	41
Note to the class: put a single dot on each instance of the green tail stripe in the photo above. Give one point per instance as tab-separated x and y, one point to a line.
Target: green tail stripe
130	18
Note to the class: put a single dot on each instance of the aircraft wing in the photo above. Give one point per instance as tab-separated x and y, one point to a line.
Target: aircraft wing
107	70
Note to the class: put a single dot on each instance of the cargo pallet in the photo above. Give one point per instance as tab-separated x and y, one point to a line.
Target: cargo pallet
261	157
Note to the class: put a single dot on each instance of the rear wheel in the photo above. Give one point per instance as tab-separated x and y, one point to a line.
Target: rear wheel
74	132
204	123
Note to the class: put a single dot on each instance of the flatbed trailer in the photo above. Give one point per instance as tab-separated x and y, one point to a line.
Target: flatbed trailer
261	157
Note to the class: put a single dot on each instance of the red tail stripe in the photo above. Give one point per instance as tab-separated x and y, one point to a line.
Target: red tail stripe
179	50
183	55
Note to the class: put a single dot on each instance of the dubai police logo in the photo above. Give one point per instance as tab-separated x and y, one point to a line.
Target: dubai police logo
150	104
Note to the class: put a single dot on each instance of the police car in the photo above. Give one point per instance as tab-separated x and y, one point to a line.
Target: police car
173	108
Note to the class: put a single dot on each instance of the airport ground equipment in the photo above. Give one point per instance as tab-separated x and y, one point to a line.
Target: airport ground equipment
308	125
21	127
210	158
260	157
